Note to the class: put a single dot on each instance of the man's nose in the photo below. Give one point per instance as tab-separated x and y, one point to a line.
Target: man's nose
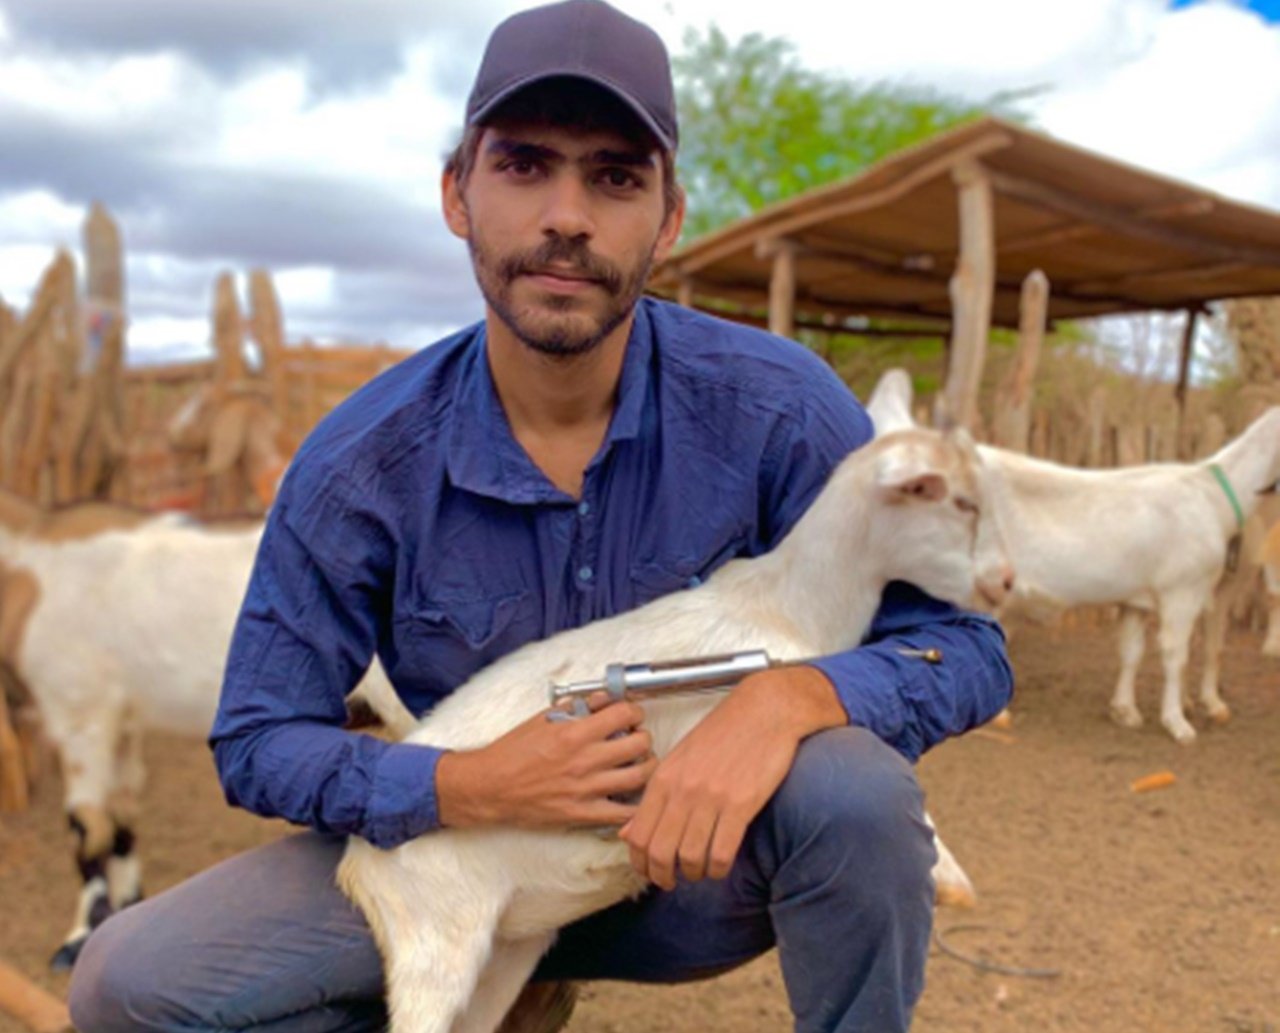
567	212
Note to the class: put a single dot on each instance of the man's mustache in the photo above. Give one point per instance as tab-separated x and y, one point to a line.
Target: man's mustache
572	255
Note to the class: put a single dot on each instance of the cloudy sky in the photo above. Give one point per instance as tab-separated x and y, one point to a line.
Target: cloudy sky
307	136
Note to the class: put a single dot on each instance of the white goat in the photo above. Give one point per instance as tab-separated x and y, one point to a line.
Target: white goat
462	916
118	621
1149	538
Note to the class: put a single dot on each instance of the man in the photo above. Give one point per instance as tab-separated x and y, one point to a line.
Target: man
578	453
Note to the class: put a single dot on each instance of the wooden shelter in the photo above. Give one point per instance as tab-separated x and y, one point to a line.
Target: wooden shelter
944	234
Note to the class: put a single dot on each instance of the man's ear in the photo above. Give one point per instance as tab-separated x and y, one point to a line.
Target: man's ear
670	231
456	216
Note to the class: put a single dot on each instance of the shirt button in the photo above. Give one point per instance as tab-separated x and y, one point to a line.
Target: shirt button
584	508
585	573
693	582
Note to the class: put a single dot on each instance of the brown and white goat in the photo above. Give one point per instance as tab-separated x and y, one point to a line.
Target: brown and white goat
118	621
462	916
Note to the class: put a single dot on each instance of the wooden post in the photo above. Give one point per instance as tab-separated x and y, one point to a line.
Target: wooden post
782	285
1097	414
104	259
266	325
1184	376
228	333
34	1007
972	287
684	292
1011	421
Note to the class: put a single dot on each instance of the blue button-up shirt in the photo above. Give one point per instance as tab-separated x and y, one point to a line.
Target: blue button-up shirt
412	523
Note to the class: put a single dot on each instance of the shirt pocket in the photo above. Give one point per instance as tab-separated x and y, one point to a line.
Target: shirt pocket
660	575
443	641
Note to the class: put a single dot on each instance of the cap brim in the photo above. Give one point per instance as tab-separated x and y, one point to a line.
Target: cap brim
507	92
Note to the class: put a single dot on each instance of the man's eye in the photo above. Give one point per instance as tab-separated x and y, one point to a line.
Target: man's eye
619	179
520	168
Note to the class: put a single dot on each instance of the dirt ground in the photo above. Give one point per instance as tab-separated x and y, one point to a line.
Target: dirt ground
1160	911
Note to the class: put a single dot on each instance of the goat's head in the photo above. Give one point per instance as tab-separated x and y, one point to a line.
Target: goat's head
935	525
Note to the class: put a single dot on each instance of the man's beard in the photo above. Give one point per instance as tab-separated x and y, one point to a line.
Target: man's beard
576	332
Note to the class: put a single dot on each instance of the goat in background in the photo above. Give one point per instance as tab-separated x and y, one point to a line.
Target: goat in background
1151	539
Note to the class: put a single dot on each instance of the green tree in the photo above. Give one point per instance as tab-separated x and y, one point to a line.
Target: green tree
757	127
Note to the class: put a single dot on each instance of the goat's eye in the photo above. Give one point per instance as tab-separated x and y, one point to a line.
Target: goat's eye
966	505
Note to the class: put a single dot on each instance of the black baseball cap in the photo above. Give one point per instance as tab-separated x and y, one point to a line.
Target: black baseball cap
584	39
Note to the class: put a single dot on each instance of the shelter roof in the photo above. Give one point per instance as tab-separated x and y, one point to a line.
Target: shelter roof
1111	237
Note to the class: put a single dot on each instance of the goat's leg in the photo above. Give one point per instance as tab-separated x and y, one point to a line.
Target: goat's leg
433	965
1178	612
1132	638
1271	645
124	869
951	883
87	754
510	965
1215	637
435	919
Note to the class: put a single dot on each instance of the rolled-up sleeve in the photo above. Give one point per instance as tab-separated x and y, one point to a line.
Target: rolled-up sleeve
927	671
305	635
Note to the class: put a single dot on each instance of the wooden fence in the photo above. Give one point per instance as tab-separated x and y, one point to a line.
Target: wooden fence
314	379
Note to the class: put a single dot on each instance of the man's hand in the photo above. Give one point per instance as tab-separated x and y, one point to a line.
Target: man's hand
549	774
698	803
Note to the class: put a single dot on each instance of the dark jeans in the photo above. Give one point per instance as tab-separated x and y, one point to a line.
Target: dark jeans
834	872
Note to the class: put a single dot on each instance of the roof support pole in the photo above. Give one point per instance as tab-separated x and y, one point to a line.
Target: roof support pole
1184	376
782	285
684	292
972	288
1011	421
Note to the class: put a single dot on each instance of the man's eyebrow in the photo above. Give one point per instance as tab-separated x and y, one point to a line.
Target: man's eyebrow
632	159
509	148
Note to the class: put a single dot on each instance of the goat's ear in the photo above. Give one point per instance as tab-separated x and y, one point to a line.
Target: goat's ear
929	487
890	403
902	477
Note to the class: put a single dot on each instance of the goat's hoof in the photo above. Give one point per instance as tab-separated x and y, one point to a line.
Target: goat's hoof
953	894
1181	731
1219	713
64	958
1126	717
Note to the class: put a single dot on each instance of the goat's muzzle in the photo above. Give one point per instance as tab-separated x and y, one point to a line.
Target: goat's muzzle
994	588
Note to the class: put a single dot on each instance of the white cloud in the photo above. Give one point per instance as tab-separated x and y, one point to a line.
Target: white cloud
154	91
40	216
171	338
974	48
392	137
1200	101
311	287
21	266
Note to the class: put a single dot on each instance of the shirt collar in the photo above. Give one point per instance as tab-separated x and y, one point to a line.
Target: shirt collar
483	455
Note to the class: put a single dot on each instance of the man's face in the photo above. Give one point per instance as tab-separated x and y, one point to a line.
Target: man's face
563	228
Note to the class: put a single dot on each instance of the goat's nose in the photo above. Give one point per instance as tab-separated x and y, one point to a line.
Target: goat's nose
995	586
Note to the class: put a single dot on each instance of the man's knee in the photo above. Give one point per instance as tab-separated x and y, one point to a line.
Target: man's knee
856	800
118	984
